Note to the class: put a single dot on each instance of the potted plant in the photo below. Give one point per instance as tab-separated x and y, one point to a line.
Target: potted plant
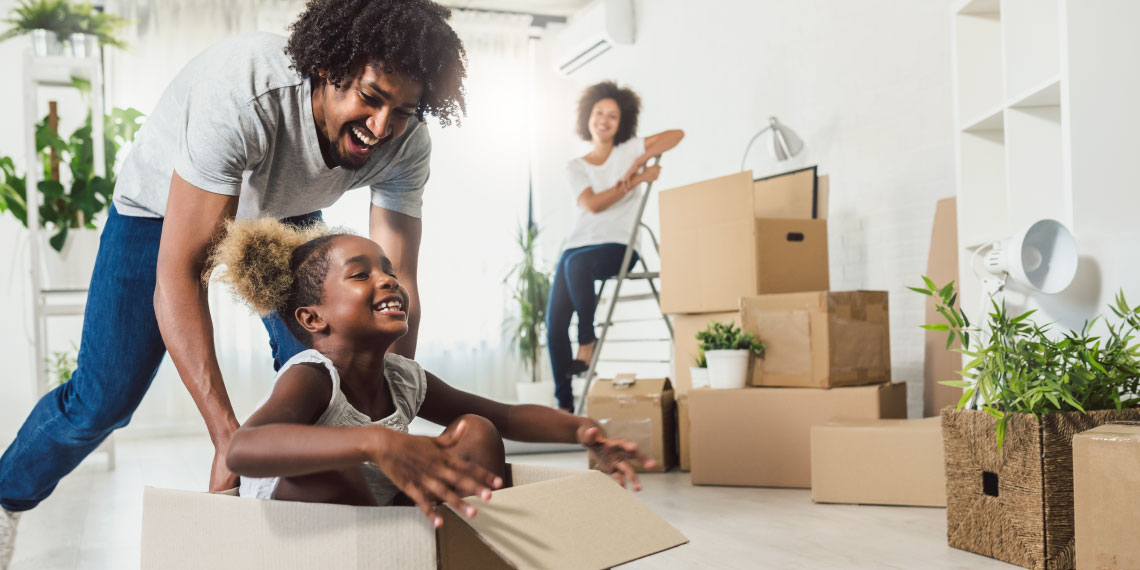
91	27
530	288
729	351
61	365
45	21
1009	463
70	210
699	371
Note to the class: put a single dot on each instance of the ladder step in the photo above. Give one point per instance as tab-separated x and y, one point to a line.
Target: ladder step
63	310
619	321
634	360
643	275
609	340
63	291
638	297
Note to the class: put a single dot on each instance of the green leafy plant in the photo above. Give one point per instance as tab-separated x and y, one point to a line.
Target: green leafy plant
1019	366
65	18
721	336
28	15
61	365
530	288
700	360
67	208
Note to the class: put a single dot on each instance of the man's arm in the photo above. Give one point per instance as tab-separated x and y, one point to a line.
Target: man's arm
399	235
194	219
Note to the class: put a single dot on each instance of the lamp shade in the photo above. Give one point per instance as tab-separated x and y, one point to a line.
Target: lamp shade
785	142
1042	257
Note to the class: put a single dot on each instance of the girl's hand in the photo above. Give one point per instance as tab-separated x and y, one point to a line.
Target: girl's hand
614	455
650	174
627	179
427	471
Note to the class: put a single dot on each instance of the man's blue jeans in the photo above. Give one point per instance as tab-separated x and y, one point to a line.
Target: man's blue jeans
572	291
119	353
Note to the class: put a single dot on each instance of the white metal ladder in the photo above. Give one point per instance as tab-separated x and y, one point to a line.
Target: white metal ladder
624	273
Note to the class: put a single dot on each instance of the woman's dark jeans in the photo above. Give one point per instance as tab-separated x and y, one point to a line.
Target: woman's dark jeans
572	291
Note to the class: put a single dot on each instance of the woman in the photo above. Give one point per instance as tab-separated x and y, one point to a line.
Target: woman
602	183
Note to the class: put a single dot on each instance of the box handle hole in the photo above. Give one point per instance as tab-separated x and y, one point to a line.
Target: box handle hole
990	483
795	236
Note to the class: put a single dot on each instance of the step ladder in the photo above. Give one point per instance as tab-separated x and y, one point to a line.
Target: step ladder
616	297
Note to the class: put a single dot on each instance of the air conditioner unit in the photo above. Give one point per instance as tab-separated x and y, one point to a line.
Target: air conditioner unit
593	31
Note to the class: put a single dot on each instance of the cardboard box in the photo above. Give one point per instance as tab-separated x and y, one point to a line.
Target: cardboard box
942	267
762	436
551	518
878	462
685	345
640	410
714	249
1106	476
820	339
683	424
794	194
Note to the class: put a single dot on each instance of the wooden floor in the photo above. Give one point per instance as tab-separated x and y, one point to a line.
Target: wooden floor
93	520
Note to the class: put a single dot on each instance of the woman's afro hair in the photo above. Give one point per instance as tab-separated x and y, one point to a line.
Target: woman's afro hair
275	268
627	101
412	37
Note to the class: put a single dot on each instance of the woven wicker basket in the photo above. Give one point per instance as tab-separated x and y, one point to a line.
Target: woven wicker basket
1015	505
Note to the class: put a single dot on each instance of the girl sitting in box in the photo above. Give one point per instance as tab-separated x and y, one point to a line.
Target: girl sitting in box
334	427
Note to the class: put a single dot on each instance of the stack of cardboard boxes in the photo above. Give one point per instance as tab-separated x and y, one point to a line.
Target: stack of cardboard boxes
755	252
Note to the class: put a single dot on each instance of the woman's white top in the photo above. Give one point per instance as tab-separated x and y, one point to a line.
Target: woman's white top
407	382
614	224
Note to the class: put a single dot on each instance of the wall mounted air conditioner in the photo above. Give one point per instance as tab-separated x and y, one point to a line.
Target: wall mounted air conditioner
593	31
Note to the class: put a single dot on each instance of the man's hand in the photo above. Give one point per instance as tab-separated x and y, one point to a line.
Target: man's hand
427	470
221	478
614	455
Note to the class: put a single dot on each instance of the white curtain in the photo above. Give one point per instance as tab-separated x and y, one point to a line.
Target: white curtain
475	199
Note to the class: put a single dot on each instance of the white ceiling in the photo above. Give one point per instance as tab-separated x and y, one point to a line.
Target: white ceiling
549	7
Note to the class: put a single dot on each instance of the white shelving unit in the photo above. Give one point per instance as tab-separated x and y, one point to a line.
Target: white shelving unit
56	71
1046	119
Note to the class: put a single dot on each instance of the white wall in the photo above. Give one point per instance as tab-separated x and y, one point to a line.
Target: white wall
866	84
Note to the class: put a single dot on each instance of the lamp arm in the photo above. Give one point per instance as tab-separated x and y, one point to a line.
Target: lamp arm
744	158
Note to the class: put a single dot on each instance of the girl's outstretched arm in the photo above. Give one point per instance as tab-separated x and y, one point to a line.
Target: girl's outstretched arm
528	422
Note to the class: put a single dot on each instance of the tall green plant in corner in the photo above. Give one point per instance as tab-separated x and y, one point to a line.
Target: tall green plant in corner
530	288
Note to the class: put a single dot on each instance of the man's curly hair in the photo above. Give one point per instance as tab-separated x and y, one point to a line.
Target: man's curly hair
411	36
627	101
275	268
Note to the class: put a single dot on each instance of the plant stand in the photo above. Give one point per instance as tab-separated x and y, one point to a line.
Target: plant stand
56	71
1015	505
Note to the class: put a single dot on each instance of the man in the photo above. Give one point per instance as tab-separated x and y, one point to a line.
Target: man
254	126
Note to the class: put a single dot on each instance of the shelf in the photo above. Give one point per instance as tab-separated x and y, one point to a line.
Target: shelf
57	70
1034	161
980	7
978	62
1045	95
988	121
1032	43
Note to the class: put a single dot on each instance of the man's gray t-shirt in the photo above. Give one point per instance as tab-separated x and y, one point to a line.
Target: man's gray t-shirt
237	120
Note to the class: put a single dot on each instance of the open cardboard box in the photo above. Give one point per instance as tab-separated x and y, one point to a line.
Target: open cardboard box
640	410
1106	476
716	248
551	518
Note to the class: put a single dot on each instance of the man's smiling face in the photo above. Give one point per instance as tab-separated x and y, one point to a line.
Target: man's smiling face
368	110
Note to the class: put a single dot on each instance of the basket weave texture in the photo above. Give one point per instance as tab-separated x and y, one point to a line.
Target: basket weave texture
1030	521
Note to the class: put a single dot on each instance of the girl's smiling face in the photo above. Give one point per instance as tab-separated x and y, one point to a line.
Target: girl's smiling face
361	297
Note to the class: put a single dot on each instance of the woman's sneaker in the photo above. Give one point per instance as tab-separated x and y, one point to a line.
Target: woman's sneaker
8	521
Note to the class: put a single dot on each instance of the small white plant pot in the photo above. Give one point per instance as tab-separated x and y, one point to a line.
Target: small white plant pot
72	267
45	42
728	369
699	377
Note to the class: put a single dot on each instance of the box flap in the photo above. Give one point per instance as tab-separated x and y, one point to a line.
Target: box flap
583	521
1114	432
788	195
640	388
186	530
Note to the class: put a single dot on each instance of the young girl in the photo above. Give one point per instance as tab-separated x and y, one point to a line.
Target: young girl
334	427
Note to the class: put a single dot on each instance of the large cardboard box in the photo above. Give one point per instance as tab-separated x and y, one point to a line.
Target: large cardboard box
549	519
640	410
683	424
762	436
1106	493
686	347
942	267
878	462
714	249
820	339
